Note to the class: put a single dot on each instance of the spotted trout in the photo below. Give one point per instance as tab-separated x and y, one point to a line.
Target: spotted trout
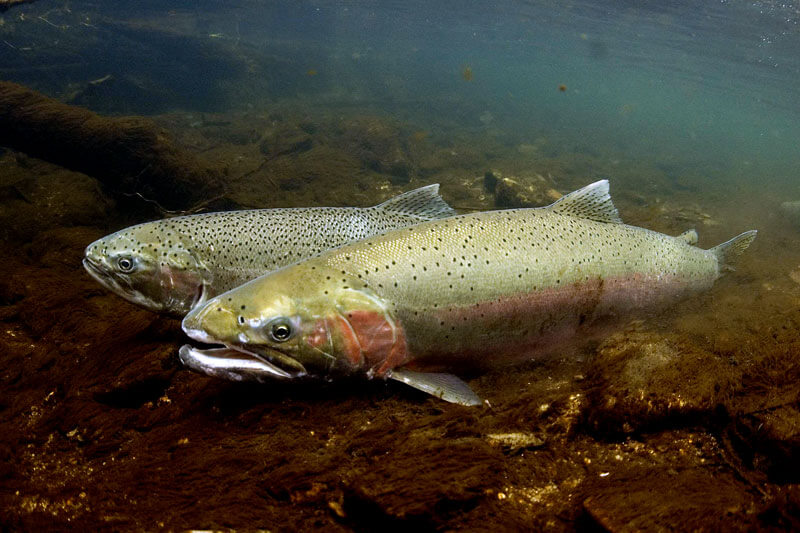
416	302
171	265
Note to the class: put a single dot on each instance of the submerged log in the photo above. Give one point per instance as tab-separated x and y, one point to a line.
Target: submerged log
129	155
8	4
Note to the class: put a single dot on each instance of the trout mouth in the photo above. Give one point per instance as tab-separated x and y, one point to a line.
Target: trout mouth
240	363
116	285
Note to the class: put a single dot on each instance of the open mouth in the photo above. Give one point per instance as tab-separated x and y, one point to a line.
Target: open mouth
239	363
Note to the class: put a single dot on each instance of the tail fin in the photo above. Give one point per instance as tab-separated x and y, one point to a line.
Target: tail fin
728	251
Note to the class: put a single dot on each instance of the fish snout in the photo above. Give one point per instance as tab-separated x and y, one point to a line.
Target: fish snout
192	324
90	265
205	323
97	269
94	254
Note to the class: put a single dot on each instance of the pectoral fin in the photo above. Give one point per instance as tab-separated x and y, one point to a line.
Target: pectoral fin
445	386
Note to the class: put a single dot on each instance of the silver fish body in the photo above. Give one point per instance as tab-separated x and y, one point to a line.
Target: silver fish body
171	265
476	288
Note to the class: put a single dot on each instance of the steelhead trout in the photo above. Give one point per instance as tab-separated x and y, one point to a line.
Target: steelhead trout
171	265
436	296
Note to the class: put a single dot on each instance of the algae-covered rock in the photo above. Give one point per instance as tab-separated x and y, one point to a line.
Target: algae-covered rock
37	196
765	427
322	175
693	499
379	146
770	440
640	381
520	191
285	140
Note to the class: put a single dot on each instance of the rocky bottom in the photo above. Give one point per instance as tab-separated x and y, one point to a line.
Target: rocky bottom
685	421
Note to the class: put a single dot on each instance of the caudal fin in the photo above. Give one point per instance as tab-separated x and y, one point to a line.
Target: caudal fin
728	251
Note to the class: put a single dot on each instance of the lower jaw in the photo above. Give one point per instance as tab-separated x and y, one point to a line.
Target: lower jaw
233	364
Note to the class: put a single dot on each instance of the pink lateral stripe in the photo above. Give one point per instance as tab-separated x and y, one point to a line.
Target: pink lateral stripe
522	326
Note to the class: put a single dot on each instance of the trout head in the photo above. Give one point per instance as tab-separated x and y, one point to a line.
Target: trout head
304	320
150	265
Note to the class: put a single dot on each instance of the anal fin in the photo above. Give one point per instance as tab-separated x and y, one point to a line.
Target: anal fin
444	386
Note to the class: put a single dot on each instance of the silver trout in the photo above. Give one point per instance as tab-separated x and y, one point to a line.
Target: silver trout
171	265
434	297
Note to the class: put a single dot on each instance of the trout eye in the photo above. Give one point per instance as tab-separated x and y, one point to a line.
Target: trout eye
125	264
280	330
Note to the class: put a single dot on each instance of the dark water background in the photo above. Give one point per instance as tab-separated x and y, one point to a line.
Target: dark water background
688	420
700	82
697	81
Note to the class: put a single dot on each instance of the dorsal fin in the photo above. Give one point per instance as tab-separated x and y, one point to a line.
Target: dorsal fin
592	202
424	203
689	236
